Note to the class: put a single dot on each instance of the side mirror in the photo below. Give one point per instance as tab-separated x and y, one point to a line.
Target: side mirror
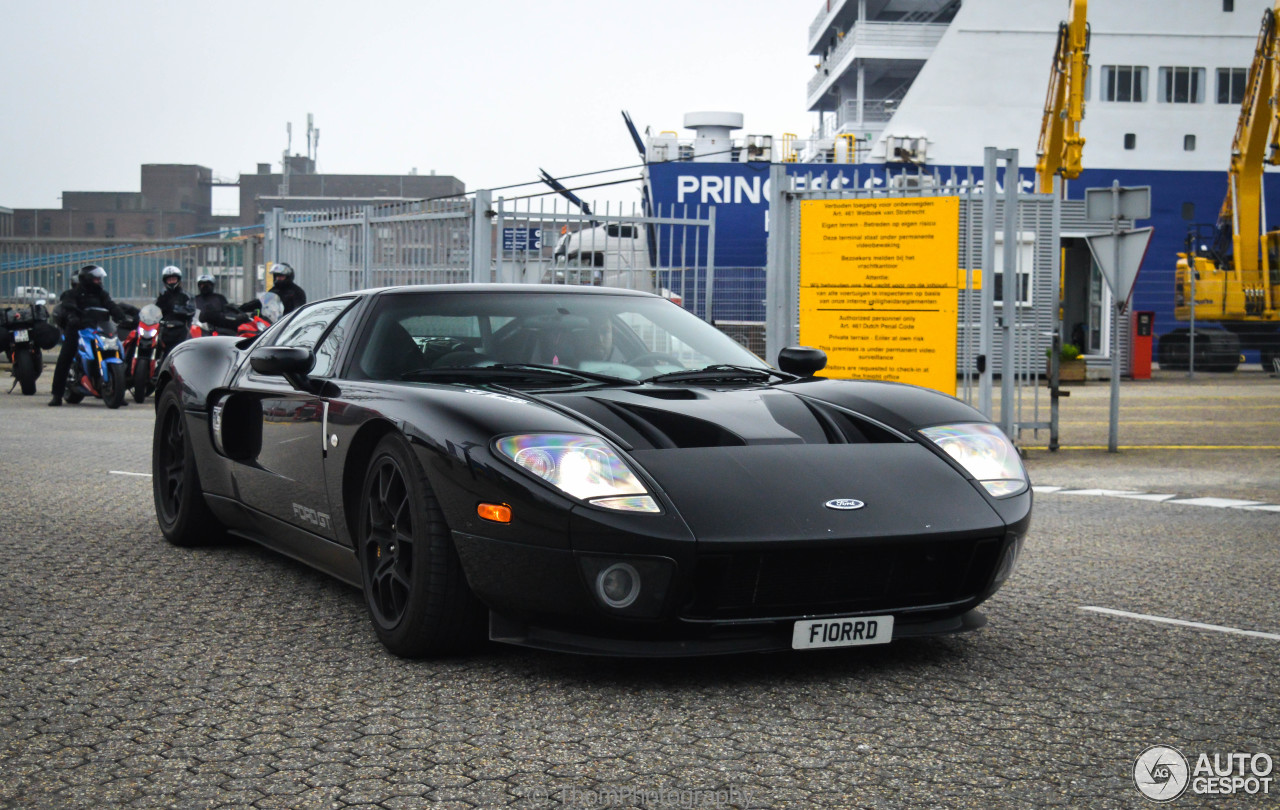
802	361
284	361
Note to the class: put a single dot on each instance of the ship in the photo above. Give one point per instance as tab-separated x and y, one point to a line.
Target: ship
917	88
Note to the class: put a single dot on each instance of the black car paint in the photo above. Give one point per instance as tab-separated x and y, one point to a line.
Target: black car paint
531	572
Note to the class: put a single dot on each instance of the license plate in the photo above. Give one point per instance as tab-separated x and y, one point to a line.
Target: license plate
811	634
19	336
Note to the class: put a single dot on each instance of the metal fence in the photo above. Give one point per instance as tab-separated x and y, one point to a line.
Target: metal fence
1011	334
133	265
538	239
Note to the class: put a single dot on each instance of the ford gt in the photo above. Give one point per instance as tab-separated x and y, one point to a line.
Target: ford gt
586	470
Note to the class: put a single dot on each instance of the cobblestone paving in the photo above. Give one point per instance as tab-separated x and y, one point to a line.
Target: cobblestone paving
135	674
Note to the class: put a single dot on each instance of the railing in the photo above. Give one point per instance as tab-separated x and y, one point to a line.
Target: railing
894	35
829	8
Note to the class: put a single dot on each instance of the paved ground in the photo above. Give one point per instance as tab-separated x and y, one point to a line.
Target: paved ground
135	674
1212	434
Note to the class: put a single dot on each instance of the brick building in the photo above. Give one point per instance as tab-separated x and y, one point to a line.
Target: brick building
308	191
176	200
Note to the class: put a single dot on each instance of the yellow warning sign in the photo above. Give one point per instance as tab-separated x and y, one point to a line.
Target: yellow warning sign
878	286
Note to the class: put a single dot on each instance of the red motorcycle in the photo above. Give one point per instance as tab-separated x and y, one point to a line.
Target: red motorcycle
149	341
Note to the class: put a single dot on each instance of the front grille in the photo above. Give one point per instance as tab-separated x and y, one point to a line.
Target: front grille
853	578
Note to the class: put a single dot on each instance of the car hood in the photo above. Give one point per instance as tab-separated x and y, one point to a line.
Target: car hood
764	463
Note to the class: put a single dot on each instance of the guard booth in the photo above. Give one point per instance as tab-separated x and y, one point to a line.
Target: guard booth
1143	326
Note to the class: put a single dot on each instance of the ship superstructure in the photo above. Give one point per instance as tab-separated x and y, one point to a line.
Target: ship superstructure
906	88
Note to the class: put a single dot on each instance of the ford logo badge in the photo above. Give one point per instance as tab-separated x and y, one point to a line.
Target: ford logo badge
844	504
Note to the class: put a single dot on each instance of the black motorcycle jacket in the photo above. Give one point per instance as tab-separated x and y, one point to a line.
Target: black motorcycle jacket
291	295
81	297
214	310
170	298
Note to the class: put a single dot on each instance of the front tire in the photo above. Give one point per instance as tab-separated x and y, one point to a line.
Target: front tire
113	385
185	519
414	586
141	377
24	368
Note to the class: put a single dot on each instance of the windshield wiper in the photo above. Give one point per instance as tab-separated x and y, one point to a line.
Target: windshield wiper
722	373
516	371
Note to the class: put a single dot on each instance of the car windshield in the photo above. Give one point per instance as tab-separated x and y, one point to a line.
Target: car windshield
619	337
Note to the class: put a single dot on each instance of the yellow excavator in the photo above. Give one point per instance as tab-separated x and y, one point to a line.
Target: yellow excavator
1237	285
1061	145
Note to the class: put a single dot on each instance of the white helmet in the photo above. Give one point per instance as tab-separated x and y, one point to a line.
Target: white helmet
170	271
205	277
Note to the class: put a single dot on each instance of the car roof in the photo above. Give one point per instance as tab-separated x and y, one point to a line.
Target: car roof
520	289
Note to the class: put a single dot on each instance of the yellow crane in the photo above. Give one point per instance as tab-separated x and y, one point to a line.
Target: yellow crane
1061	145
1237	286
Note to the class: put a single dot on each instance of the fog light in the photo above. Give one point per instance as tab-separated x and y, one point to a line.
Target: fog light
1009	561
618	585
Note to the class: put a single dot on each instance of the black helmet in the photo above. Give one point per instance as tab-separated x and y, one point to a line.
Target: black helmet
281	271
92	274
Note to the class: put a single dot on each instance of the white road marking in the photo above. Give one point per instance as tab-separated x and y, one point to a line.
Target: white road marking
1218	503
1146	496
1181	623
1221	503
122	472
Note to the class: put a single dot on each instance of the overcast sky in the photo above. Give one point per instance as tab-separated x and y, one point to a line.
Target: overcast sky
488	92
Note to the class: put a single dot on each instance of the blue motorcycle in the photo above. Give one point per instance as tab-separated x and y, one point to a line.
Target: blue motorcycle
97	369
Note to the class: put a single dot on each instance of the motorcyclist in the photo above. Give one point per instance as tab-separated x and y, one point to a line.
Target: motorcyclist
87	292
172	297
213	308
282	284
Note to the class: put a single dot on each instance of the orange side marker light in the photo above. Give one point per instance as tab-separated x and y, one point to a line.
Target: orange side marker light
496	512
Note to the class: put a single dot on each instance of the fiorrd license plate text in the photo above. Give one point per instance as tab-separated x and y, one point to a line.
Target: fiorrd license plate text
813	633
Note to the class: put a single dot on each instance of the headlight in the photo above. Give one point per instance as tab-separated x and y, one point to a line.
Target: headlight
985	452
580	466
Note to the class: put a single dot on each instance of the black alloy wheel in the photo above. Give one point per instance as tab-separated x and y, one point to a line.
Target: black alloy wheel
413	581
185	519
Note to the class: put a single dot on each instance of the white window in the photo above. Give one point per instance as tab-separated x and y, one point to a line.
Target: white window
1025	256
1182	85
1123	83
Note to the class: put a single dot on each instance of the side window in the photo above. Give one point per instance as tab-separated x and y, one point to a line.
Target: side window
1182	85
305	329
1123	83
327	353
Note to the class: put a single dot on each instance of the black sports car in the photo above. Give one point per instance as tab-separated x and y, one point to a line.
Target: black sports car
586	470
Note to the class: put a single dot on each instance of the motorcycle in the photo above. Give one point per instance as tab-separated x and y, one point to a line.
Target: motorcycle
149	341
260	314
97	370
24	332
